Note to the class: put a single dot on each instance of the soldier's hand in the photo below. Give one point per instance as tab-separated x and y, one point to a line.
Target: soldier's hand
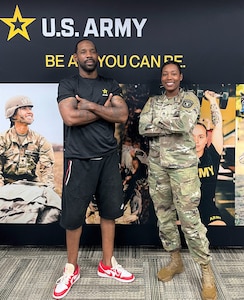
210	96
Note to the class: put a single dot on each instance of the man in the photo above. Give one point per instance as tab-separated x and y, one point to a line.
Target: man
26	169
90	105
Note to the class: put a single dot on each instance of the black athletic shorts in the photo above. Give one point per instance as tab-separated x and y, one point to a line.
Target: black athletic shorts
86	178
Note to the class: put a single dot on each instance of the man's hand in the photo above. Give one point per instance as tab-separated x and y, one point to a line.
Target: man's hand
83	104
109	100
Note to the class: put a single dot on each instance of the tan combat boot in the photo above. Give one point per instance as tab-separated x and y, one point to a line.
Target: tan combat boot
208	285
175	266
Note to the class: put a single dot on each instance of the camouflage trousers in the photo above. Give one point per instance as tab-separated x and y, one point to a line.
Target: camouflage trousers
177	192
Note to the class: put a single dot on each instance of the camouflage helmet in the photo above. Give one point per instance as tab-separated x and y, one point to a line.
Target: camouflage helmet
14	103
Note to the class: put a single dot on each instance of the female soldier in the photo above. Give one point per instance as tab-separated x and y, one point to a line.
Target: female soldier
174	184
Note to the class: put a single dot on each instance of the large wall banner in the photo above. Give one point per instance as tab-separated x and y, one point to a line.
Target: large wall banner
37	42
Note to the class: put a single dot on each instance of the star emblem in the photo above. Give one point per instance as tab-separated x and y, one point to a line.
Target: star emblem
105	92
17	24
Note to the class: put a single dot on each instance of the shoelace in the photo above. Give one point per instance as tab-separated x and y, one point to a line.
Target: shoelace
63	279
118	268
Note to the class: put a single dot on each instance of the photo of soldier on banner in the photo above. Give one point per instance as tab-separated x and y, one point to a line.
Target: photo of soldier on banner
217	170
30	155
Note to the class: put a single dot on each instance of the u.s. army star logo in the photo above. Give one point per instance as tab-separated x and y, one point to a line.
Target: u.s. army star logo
105	92
17	24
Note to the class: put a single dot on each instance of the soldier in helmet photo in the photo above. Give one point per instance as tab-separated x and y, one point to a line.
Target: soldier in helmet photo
26	169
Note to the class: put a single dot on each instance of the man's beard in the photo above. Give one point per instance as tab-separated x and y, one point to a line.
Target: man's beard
88	69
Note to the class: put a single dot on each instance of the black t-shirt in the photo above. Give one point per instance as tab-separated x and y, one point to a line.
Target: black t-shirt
97	138
208	168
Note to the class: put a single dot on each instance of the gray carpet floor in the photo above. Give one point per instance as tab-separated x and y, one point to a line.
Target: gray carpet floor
29	273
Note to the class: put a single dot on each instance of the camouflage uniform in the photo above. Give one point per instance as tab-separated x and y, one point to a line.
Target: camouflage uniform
173	174
19	161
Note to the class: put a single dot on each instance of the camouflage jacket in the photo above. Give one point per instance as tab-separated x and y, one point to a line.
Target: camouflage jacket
32	160
169	123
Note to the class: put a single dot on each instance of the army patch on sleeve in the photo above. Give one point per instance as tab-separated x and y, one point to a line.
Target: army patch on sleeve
187	103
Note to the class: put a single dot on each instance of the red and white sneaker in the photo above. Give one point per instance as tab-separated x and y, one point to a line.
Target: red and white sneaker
116	271
65	282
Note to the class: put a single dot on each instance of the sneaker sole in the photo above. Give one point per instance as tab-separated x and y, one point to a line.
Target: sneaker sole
60	297
104	275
